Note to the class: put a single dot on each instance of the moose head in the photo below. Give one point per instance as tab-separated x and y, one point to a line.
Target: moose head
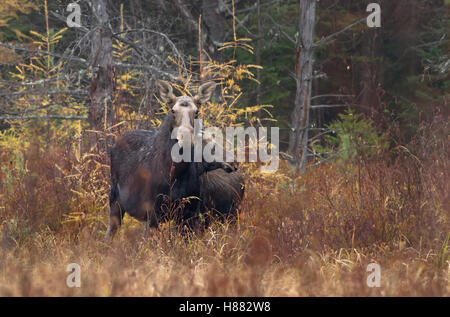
184	109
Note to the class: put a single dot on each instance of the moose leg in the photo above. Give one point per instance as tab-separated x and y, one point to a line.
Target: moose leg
150	229
151	222
115	220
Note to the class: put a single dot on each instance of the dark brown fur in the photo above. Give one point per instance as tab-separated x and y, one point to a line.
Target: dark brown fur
221	192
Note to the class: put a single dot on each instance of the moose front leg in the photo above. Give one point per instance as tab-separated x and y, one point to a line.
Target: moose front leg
151	221
115	220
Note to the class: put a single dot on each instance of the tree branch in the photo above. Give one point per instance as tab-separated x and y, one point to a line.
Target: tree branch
328	38
172	45
240	23
44	117
328	106
35	109
281	29
148	67
330	95
40	92
19	48
254	7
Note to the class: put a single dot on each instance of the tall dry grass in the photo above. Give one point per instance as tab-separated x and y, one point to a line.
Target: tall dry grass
311	235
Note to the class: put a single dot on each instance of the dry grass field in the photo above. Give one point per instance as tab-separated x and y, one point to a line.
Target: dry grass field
376	187
310	235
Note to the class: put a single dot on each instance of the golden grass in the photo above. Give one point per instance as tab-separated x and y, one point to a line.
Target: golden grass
214	266
311	235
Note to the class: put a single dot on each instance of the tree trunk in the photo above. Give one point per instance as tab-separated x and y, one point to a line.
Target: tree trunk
298	138
258	56
100	110
216	25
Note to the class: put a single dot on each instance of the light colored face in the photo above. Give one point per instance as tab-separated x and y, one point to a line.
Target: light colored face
184	109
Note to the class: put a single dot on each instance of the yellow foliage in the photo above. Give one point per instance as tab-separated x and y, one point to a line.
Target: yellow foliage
9	9
34	69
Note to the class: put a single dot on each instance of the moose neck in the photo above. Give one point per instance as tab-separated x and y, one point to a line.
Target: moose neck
165	143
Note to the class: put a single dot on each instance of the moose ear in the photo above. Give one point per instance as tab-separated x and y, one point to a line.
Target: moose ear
205	92
165	91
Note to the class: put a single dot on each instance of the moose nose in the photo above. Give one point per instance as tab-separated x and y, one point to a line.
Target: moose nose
185	136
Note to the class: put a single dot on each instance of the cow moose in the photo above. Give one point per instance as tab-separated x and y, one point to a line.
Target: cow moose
144	175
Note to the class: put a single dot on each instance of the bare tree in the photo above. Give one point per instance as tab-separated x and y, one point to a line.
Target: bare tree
258	54
298	138
216	24
100	110
304	62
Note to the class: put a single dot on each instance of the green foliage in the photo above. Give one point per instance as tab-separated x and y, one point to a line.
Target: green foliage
11	9
444	255
353	137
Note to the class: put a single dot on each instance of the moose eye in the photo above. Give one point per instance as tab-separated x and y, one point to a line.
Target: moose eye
173	111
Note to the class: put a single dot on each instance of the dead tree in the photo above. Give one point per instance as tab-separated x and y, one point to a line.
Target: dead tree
100	59
304	62
298	138
216	25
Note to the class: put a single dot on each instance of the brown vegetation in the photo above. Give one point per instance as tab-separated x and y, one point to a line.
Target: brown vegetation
312	235
296	235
